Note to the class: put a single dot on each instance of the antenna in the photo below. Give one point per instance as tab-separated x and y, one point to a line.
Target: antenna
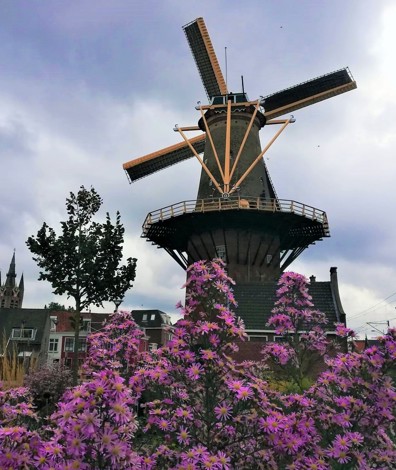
243	86
226	67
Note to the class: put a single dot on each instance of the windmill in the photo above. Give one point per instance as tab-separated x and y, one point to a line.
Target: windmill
237	214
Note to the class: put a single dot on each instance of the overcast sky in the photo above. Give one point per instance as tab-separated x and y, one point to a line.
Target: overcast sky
87	86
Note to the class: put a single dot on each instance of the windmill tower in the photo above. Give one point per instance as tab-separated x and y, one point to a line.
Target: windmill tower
237	214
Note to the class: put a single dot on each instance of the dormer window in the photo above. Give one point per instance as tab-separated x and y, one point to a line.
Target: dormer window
53	323
23	333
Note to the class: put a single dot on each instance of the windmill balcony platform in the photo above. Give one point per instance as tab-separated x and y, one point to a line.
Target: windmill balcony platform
296	225
235	203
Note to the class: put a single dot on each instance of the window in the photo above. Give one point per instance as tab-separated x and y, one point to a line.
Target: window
280	339
86	325
69	344
68	362
144	318
258	338
152	317
53	323
153	346
23	333
234	98
221	252
53	345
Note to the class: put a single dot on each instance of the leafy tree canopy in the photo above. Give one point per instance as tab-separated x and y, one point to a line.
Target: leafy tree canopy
84	261
55	306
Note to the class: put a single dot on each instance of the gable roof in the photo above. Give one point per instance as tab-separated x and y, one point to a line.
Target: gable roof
36	318
153	318
256	301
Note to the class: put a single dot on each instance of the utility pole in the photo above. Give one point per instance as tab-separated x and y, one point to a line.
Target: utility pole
373	323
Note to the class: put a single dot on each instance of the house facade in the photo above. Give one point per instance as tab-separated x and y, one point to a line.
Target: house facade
157	326
61	336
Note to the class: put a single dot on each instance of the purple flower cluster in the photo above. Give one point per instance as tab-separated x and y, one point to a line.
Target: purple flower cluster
199	409
115	346
301	328
15	405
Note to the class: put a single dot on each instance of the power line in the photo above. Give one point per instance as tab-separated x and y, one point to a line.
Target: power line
373	307
364	327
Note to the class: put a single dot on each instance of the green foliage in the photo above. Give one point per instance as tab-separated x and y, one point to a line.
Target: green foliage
57	307
289	386
83	262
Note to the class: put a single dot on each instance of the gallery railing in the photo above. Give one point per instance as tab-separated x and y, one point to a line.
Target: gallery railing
235	203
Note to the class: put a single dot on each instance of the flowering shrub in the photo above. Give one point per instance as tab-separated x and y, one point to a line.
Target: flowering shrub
206	411
20	448
115	346
302	330
95	423
350	411
206	414
15	406
47	385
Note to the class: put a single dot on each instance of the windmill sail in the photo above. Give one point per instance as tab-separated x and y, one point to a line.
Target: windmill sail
307	93
205	58
156	161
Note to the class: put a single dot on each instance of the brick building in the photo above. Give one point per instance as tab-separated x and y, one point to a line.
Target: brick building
155	324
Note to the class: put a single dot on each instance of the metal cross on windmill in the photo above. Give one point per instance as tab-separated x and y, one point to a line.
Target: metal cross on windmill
237	215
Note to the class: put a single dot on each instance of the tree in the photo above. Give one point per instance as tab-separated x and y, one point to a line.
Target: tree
84	261
57	307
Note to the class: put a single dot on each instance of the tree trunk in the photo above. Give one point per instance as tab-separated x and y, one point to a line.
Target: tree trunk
77	317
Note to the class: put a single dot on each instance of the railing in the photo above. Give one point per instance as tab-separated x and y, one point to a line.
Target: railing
233	203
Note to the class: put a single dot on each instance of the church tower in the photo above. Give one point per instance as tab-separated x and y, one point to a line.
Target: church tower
11	295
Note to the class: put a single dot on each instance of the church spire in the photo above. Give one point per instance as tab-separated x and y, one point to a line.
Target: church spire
11	275
11	296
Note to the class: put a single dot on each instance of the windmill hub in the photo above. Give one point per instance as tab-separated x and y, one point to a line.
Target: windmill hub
244	112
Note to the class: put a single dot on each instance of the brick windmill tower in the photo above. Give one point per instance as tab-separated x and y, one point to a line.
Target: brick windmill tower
237	214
